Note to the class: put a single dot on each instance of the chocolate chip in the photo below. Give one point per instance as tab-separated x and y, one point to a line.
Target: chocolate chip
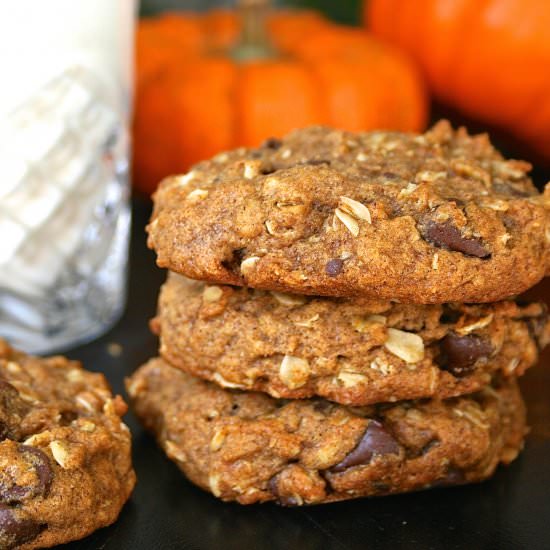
432	444
15	528
376	441
41	463
267	169
12	493
32	458
334	267
448	236
316	162
272	486
272	143
510	223
284	500
67	417
449	315
458	202
234	263
289	500
390	176
454	476
380	487
460	353
323	406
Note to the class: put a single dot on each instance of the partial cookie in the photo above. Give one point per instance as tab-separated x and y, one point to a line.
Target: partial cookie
252	448
65	461
432	218
352	351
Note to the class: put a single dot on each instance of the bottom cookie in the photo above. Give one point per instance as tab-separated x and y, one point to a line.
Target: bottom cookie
252	448
65	456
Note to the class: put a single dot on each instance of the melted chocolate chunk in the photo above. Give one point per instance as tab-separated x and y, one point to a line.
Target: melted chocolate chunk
41	463
334	267
32	458
448	236
376	441
15	528
460	353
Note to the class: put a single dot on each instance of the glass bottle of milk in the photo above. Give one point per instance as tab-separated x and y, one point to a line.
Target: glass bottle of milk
65	102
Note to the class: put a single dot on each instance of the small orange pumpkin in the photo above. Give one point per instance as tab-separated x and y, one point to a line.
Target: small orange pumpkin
489	58
207	83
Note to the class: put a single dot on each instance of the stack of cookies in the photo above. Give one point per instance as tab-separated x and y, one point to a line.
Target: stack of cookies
339	321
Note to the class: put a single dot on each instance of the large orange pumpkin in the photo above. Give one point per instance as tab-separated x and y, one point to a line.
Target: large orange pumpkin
206	83
489	58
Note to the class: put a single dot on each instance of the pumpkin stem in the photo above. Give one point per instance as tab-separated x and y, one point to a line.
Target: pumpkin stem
254	41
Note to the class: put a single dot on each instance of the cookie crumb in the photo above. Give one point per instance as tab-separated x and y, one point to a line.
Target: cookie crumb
334	267
114	349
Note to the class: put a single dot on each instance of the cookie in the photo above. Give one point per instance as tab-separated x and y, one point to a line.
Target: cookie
352	351
432	218
65	462
252	448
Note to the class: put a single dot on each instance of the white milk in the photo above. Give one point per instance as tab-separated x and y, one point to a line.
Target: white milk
65	97
40	39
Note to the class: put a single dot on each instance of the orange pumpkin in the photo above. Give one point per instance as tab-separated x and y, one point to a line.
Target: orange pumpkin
489	58
207	83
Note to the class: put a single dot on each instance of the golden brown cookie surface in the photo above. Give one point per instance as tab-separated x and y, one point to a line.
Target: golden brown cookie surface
352	351
432	218
65	462
252	448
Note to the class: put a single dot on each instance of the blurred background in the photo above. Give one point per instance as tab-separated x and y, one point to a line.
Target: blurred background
267	67
342	11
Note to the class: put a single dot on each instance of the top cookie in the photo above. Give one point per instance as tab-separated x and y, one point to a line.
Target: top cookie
431	218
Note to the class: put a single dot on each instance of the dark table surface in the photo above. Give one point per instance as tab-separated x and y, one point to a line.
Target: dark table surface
510	511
